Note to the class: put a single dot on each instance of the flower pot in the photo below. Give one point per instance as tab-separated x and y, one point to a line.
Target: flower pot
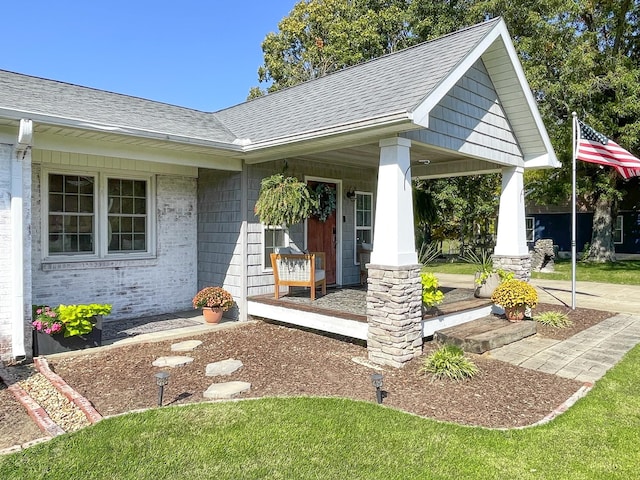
45	344
486	288
212	314
514	314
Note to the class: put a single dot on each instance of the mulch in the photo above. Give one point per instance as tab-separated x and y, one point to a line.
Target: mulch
283	361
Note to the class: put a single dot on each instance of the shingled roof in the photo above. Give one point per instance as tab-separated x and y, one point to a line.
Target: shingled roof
392	84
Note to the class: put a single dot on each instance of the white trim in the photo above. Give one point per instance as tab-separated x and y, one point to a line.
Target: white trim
100	216
264	265
356	260
433	324
621	217
338	184
317	321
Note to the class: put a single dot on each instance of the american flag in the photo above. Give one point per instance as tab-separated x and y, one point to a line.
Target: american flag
595	147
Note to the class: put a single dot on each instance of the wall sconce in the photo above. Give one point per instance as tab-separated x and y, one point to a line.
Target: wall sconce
376	381
162	378
351	194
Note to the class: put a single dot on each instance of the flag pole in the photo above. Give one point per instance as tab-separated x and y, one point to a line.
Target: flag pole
573	212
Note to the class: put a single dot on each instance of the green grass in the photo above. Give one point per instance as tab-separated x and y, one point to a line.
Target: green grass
302	438
625	272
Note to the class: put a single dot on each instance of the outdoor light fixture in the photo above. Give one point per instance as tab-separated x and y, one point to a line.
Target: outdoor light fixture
162	378
376	380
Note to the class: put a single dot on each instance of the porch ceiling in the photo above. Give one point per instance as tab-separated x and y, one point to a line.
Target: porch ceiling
442	163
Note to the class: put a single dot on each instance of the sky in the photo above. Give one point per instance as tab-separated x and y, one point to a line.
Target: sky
197	54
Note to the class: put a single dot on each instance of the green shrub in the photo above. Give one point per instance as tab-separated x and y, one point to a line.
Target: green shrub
431	295
553	319
449	362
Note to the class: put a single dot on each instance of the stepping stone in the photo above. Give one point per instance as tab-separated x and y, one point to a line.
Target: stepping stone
185	346
226	390
224	367
173	361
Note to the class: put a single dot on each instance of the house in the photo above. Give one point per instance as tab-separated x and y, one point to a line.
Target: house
112	199
554	222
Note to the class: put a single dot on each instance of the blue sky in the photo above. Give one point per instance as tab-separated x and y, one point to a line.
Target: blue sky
197	54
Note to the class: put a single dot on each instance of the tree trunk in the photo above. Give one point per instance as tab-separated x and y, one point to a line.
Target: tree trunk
602	248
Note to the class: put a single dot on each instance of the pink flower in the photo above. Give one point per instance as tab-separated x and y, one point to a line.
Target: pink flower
47	331
56	327
39	311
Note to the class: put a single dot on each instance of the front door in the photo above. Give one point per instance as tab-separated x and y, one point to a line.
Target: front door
322	235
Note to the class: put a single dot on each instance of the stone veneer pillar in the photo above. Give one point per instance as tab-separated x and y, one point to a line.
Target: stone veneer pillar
520	265
394	313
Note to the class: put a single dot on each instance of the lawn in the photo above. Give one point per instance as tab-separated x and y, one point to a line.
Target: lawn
331	438
625	272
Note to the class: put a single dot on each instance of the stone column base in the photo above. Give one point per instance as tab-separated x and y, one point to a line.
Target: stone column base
394	313
520	265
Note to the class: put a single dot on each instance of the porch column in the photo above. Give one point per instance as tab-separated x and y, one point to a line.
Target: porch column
511	252
394	293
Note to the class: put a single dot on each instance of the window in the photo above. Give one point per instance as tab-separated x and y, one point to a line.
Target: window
530	228
96	215
273	237
127	215
71	214
618	230
364	221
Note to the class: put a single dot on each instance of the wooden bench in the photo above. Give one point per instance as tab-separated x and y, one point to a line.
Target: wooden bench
299	270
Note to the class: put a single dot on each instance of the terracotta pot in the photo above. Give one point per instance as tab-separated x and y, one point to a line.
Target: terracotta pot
514	314
212	314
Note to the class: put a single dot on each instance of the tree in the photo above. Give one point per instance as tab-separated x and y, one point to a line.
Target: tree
580	56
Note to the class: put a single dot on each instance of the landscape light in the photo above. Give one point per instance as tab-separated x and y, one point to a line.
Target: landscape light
162	378
376	380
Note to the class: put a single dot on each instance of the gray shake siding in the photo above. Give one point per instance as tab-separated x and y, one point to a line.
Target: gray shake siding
470	119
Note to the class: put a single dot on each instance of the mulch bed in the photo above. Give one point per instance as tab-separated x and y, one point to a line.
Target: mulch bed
283	361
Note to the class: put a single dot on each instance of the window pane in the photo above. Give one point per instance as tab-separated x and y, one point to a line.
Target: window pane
55	183
127	214
367	219
56	203
55	223
70	224
71	184
85	243
86	204
70	203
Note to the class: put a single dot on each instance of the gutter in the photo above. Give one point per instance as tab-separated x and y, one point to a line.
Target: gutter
57	121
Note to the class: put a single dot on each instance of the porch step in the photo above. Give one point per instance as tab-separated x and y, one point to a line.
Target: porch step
486	333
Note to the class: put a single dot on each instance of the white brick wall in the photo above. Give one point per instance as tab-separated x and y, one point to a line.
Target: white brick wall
135	288
5	250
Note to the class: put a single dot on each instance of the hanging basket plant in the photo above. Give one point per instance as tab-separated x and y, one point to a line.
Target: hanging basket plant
284	201
326	197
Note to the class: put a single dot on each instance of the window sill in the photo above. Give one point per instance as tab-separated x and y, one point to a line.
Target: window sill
52	264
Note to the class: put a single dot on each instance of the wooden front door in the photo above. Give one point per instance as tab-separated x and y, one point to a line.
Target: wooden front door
322	237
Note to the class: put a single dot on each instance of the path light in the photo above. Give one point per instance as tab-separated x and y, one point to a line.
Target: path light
162	378
376	380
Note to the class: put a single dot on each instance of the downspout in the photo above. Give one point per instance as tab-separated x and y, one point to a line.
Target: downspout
25	135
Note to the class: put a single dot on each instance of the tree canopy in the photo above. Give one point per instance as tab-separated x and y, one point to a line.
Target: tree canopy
578	55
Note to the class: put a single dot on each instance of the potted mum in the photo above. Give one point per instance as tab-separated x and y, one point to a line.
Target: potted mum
515	296
214	301
67	327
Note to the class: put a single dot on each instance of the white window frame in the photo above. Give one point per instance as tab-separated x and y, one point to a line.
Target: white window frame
621	230
100	227
356	260
530	238
266	261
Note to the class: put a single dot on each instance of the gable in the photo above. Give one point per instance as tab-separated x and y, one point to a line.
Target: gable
470	120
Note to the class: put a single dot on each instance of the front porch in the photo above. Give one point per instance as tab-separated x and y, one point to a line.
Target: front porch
342	311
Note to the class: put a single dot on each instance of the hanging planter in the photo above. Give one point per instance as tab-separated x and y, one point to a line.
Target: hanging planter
284	201
326	198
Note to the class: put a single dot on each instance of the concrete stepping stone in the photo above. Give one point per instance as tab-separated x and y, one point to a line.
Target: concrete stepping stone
224	367
186	346
172	361
226	390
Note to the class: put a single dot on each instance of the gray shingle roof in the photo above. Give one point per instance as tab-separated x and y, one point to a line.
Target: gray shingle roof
53	98
392	83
